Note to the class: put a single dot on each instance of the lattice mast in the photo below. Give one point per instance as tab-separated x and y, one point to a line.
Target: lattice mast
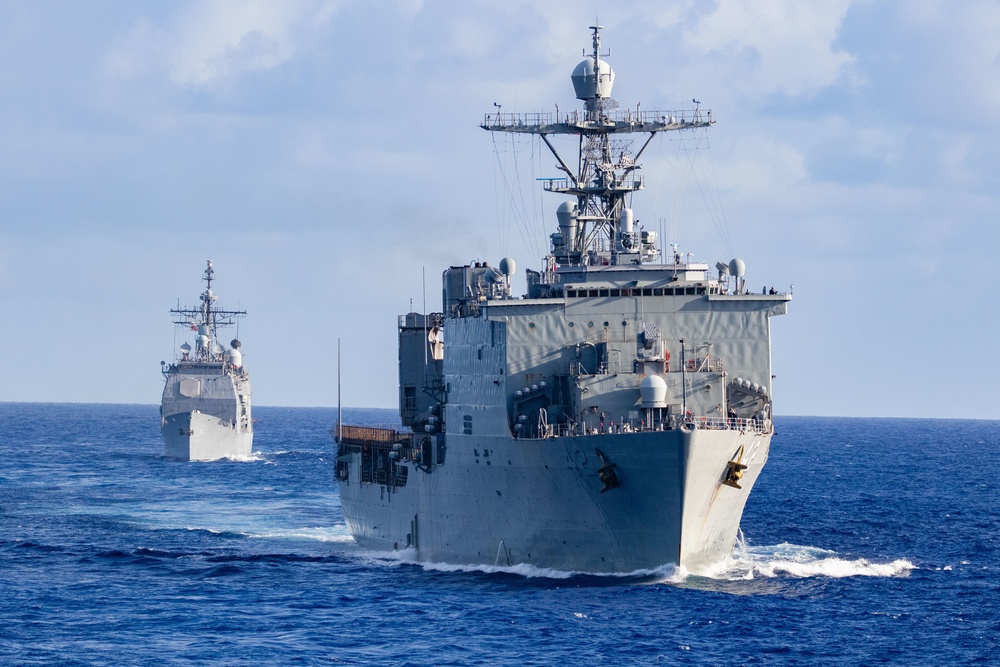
600	223
206	319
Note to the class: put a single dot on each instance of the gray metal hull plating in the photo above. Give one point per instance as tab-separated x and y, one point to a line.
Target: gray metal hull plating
206	414
503	501
195	436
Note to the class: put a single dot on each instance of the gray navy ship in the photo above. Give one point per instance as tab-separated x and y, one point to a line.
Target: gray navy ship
613	419
205	411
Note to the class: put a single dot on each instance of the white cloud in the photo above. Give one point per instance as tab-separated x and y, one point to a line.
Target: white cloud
957	57
875	174
215	42
783	46
218	40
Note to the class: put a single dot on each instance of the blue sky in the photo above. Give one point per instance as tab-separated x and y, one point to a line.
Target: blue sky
327	157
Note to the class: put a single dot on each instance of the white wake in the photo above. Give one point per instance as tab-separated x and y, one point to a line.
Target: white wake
796	561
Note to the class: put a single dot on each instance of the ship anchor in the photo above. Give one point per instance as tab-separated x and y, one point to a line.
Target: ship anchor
606	473
734	470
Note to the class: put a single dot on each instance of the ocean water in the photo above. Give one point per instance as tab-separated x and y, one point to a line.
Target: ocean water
866	542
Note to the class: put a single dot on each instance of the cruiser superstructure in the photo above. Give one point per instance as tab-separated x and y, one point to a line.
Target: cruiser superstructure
613	419
205	411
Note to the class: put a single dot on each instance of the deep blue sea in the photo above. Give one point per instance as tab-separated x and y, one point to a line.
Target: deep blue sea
867	542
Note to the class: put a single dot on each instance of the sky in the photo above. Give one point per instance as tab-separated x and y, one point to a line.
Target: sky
326	155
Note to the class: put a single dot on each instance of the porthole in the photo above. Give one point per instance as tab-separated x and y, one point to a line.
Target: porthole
590	324
571	325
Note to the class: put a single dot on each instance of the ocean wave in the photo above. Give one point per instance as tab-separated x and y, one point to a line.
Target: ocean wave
797	561
666	573
253	457
768	562
318	533
522	570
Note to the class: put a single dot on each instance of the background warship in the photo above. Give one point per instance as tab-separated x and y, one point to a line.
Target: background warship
613	419
205	410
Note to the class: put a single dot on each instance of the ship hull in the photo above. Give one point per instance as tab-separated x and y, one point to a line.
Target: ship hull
501	501
196	436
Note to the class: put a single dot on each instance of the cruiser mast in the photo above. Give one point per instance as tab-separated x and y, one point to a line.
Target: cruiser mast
206	319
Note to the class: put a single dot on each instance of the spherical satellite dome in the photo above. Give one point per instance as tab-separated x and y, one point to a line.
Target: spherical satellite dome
507	266
738	267
588	86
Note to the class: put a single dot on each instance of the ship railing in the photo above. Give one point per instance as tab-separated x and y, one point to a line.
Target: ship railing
725	424
547	278
655	118
563	185
519	119
705	365
674	423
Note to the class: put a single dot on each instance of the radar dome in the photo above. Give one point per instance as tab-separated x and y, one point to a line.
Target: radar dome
235	344
653	392
507	266
589	85
234	358
738	267
567	210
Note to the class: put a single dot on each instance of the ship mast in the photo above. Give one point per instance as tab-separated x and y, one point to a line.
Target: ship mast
206	319
599	229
